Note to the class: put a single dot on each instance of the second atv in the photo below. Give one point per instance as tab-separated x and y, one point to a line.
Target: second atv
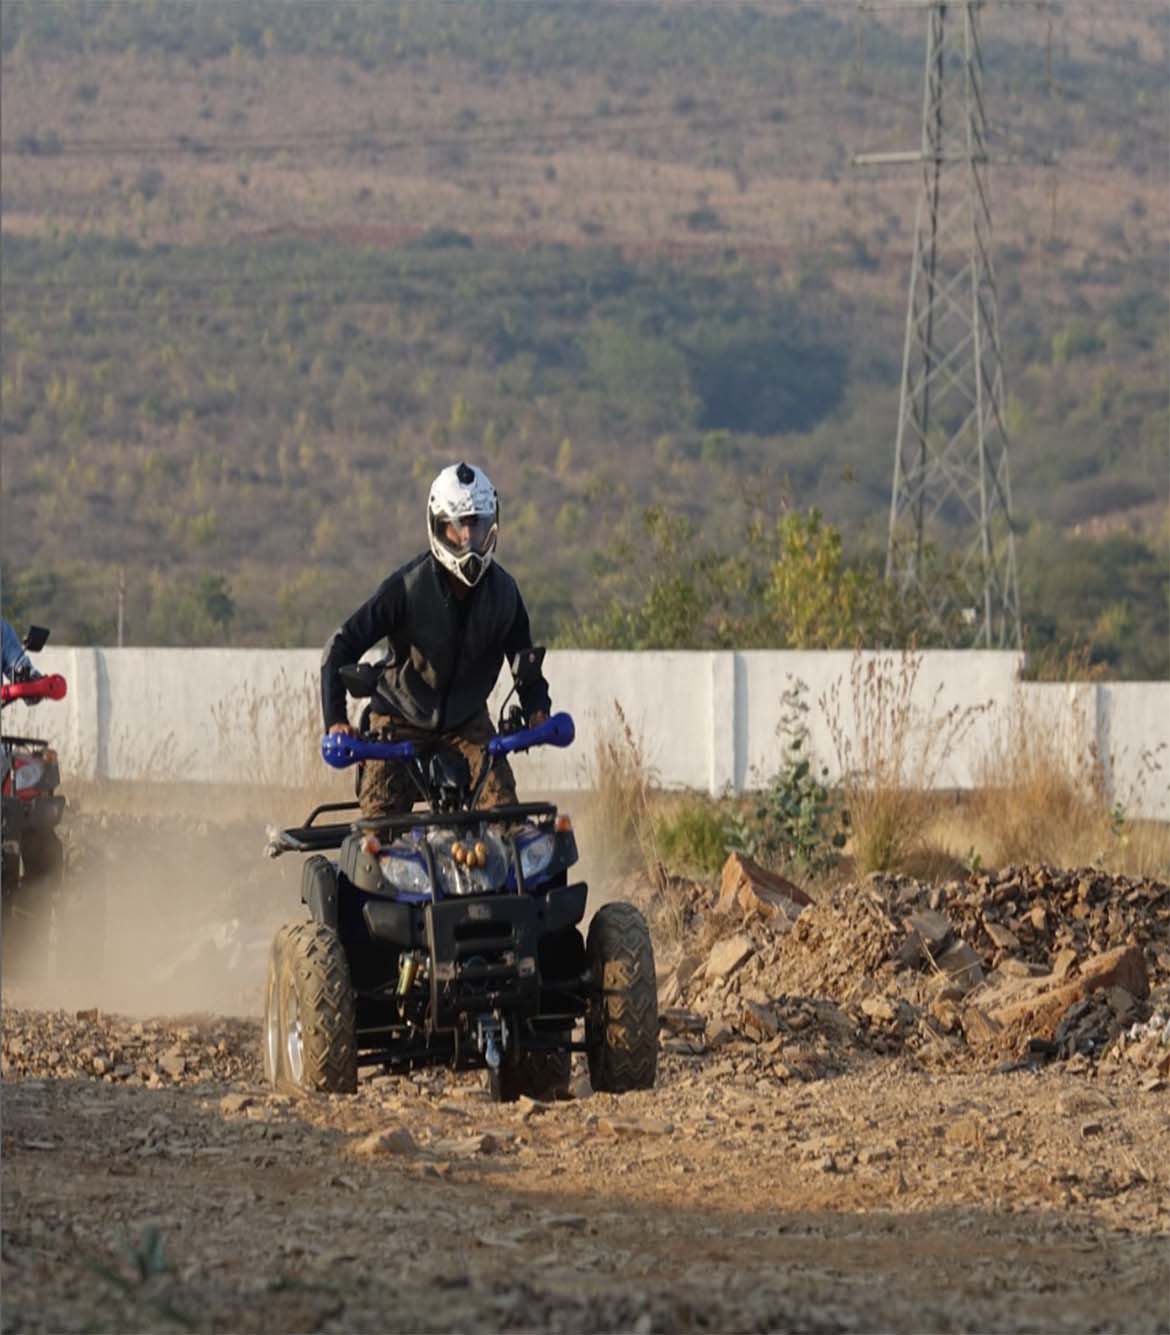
452	936
33	871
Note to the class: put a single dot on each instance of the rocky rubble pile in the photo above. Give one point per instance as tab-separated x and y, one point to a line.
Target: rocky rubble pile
1144	1047
89	1045
1036	914
1029	963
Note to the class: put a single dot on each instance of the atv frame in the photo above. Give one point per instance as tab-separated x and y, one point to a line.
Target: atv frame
499	980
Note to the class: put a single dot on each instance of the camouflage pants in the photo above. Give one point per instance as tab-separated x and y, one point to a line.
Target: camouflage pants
385	788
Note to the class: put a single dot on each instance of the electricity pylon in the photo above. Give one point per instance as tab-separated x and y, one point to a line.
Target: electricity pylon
951	480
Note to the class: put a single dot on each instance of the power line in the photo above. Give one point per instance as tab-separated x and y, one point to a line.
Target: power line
951	458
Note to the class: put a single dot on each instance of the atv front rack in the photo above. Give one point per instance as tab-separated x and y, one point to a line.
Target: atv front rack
310	838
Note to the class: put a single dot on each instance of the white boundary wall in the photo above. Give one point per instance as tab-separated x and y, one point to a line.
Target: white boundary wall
705	720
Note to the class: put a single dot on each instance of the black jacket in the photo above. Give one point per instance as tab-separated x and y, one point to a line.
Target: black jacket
445	652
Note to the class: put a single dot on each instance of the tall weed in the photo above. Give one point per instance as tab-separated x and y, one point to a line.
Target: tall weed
621	781
1043	796
890	753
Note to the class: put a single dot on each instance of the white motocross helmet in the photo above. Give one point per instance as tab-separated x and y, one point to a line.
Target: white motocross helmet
463	522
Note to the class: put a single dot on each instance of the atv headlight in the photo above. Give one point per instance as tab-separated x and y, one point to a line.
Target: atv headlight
536	854
405	872
469	861
27	775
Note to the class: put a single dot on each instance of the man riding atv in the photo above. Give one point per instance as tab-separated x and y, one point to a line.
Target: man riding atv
450	617
450	935
15	663
32	903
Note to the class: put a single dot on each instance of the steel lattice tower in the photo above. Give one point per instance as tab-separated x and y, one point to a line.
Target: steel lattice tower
951	478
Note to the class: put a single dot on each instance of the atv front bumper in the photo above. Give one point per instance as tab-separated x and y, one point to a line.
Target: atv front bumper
484	950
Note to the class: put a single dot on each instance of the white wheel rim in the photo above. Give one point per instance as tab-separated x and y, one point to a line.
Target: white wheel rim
272	1031
293	1043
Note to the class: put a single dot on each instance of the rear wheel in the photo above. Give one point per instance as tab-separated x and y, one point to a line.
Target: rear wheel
317	1027
622	1029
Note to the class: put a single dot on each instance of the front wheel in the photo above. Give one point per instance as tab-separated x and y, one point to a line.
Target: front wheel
622	1028
313	1032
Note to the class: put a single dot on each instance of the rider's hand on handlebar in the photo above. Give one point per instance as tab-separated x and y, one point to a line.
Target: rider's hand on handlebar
535	720
28	673
345	728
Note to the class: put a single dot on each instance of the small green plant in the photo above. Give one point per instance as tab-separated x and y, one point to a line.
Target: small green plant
796	822
148	1256
691	837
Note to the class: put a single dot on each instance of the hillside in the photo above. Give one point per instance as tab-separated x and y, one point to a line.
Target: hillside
267	267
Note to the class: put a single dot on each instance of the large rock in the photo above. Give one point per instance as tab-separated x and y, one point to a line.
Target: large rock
934	929
962	964
673	984
392	1140
1039	1012
745	887
927	935
727	955
758	1022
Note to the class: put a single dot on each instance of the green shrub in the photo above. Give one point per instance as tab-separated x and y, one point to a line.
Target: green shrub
690	837
796	822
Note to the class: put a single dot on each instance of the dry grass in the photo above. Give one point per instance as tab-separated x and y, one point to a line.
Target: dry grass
280	728
621	837
212	804
890	754
618	815
1042	797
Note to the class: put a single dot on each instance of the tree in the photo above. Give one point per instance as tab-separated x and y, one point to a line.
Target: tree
198	612
814	598
790	587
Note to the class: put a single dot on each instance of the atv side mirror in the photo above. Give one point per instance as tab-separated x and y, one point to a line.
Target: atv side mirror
35	639
527	664
359	679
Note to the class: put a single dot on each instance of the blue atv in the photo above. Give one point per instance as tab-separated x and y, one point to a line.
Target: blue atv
452	936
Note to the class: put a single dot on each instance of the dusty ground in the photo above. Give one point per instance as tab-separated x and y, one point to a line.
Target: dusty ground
150	1183
883	1199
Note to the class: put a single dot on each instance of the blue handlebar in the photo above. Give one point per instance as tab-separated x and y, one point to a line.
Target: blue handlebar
340	750
556	731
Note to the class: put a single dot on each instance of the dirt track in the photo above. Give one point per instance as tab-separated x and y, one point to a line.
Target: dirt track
151	1183
882	1199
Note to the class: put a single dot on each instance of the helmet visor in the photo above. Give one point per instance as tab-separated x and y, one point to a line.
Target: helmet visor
464	534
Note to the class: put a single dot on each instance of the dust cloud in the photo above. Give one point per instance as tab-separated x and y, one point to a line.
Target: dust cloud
169	904
167	907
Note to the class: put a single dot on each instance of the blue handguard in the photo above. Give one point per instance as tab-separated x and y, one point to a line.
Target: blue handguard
555	731
340	750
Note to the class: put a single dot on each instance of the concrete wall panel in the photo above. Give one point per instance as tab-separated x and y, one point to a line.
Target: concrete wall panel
1133	732
708	721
